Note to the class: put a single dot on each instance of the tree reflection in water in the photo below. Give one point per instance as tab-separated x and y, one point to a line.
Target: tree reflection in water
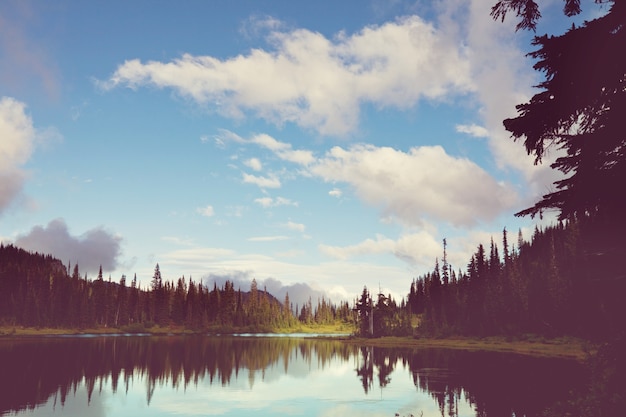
495	384
34	370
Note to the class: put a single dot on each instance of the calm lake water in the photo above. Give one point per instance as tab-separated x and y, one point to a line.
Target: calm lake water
269	376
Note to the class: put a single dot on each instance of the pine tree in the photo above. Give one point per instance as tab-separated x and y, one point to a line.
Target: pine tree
580	110
160	308
287	316
364	310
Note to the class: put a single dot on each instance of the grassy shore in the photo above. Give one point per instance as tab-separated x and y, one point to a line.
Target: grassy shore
569	348
45	331
335	328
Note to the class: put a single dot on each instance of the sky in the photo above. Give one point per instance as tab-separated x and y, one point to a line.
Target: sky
317	147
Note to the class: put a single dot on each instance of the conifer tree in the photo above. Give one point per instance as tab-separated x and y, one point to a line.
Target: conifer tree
364	310
579	109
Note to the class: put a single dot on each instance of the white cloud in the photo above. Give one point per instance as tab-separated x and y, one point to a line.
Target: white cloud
264	201
424	183
18	133
282	201
367	247
262	182
335	192
298	227
473	130
503	77
267	202
283	150
207	211
197	255
253	163
416	248
178	241
313	81
16	146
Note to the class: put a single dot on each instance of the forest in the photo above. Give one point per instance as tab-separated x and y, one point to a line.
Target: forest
564	281
37	290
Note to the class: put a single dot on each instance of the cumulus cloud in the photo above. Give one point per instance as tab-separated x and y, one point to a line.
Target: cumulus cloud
416	248
178	241
473	130
264	201
267	202
335	192
91	249
313	81
196	254
503	77
16	146
262	182
423	183
298	227
282	150
254	164
207	211
320	82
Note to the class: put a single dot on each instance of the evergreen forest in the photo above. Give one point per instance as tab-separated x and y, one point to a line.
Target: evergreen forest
565	281
37	290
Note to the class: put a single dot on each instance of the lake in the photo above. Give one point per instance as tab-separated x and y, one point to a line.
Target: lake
269	376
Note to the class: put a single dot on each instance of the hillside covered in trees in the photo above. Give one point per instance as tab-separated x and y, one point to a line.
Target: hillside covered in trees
39	291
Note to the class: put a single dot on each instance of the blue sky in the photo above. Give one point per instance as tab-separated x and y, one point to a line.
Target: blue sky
332	144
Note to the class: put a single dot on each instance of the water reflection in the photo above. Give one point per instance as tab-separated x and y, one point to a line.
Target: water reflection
191	375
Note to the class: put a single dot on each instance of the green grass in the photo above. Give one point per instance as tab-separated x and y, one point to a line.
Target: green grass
46	331
334	328
562	347
331	328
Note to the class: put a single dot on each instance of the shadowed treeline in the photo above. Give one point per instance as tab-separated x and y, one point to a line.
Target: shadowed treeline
567	280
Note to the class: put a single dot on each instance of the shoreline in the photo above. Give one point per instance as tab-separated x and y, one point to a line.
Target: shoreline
564	348
18	331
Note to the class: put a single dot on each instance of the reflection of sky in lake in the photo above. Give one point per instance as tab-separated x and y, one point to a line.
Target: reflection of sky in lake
78	404
304	389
